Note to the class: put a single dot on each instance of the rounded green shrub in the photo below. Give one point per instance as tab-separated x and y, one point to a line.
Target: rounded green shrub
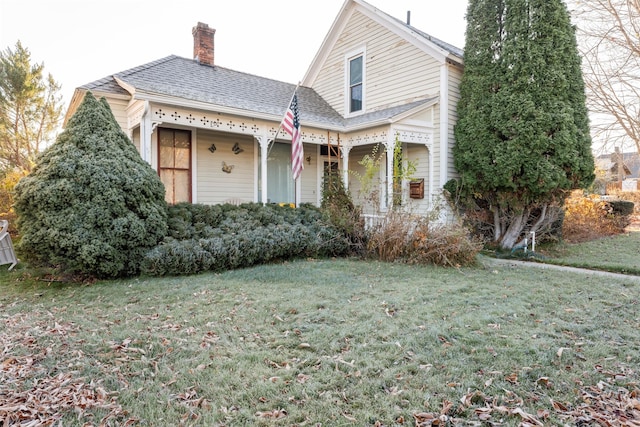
91	205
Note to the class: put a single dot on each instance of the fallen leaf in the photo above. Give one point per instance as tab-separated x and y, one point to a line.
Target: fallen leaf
275	414
560	351
513	378
545	382
349	417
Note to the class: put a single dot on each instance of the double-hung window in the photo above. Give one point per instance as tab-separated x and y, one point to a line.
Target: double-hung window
355	79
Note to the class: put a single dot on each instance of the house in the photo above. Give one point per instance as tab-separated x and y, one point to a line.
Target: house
622	170
213	133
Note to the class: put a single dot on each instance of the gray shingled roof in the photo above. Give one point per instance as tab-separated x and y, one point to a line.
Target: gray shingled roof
387	113
444	45
187	79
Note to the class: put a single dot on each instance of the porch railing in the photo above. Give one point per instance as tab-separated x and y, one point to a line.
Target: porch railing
373	220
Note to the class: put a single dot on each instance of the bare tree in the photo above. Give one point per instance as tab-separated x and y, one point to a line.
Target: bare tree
609	41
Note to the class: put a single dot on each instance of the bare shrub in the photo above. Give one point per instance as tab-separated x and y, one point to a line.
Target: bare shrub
418	240
446	245
390	239
588	218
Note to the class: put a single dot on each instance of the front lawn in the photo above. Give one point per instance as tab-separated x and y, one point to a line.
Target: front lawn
619	254
322	342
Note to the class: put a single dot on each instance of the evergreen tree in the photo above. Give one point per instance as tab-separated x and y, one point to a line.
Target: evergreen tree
30	109
91	204
522	136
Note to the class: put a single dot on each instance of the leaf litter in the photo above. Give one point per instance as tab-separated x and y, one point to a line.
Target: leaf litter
34	394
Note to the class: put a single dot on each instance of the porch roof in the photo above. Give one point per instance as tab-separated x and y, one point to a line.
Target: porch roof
178	77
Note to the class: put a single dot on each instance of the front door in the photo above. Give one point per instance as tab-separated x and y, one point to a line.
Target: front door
174	160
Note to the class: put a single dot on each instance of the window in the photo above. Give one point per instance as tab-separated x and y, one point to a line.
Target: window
324	151
356	72
174	160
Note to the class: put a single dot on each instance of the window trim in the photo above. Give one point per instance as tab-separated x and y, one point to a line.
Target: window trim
191	152
350	56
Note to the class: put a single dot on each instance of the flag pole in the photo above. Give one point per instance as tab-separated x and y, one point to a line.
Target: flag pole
280	127
295	138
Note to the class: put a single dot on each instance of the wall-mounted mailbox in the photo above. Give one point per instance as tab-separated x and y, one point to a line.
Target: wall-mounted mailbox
416	189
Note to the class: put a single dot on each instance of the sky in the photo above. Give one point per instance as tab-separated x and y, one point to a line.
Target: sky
80	41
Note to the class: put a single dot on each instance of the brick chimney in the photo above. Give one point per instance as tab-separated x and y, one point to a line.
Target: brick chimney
203	43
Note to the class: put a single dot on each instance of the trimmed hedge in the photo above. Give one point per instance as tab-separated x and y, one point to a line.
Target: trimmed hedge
221	237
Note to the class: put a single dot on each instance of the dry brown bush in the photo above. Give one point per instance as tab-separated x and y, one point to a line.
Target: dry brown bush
447	245
588	218
417	240
7	183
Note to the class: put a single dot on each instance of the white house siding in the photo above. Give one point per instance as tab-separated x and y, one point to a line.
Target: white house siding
436	148
418	155
214	186
309	177
397	72
455	76
136	138
119	109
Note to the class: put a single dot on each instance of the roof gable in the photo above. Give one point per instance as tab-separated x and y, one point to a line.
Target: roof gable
432	46
179	81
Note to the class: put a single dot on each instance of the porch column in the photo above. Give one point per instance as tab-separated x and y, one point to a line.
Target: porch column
146	129
430	187
390	145
345	165
264	151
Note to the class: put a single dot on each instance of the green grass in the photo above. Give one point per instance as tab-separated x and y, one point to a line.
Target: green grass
330	342
618	254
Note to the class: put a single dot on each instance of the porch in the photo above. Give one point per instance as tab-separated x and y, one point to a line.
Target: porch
221	158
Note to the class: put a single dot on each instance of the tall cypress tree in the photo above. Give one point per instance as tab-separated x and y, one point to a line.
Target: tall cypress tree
91	205
522	136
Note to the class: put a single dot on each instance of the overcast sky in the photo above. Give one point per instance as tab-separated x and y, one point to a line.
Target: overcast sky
80	41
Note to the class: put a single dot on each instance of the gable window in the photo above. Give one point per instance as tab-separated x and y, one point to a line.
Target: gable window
356	73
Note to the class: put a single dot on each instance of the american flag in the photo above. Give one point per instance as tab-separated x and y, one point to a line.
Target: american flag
291	125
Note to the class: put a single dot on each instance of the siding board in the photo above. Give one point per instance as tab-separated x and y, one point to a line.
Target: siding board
396	70
216	186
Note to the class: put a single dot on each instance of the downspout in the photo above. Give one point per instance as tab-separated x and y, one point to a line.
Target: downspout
146	130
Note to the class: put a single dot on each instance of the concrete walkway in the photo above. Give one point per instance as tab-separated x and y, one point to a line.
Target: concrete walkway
487	261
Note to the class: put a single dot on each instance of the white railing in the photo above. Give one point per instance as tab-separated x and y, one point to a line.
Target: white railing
373	220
